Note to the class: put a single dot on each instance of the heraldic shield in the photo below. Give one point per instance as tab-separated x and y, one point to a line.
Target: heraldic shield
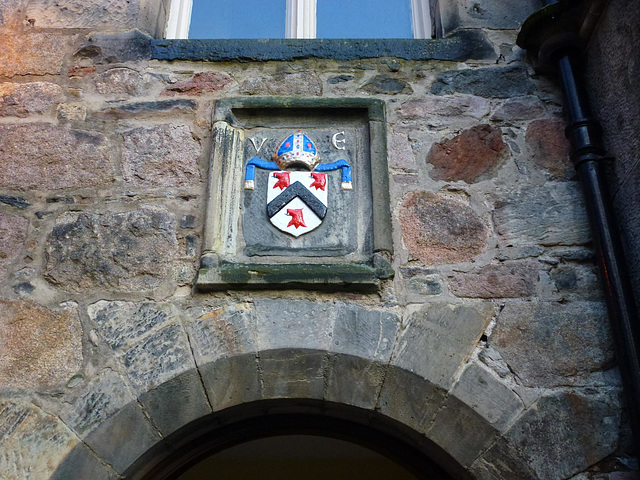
297	201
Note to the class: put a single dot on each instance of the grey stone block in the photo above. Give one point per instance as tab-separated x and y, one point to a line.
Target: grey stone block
493	82
176	402
32	442
102	397
409	398
554	344
461	431
439	338
232	381
564	433
123	323
492	400
299	324
369	334
157	358
293	373
353	380
551	214
221	333
123	438
501	462
495	14
83	463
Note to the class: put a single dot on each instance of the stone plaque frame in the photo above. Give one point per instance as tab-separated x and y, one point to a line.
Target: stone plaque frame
231	261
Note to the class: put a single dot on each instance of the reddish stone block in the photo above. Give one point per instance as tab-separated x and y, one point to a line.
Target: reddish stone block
118	82
204	82
24	99
162	155
33	53
473	155
504	280
13	233
519	108
548	147
44	156
40	347
437	229
79	71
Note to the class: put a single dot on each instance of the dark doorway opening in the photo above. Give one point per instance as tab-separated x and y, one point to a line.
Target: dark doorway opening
320	432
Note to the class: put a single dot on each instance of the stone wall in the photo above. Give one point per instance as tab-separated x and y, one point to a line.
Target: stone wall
491	340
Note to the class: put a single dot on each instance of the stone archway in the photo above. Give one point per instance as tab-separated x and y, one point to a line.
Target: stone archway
369	398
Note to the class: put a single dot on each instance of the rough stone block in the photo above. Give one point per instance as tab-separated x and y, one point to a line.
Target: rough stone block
121	14
298	83
552	344
495	14
81	459
72	111
9	12
548	147
551	214
502	280
496	403
353	380
124	437
43	156
460	431
162	155
232	381
409	398
13	233
299	324
33	53
200	83
437	229
157	358
24	99
439	338
501	461
123	323
425	285
386	85
450	107
492	82
577	282
292	373
130	251
109	48
40	347
222	333
100	398
564	433
119	82
14	201
369	334
32	442
401	154
518	109
473	155
176	402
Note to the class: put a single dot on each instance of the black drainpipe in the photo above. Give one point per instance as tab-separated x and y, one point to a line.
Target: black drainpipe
553	36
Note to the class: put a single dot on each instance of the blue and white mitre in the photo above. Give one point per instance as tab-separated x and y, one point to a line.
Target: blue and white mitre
297	148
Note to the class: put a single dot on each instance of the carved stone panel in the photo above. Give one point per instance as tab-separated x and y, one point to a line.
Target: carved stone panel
298	195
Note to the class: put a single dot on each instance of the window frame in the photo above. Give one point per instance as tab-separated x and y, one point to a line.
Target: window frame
300	19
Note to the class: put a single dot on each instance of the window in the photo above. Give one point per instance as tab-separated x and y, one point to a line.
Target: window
238	19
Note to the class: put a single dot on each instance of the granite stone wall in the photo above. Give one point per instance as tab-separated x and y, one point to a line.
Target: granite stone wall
491	340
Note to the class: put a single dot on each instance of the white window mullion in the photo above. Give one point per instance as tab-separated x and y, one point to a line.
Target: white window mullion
179	19
421	18
301	19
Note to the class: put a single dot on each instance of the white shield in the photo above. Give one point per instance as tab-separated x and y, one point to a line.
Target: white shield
296	201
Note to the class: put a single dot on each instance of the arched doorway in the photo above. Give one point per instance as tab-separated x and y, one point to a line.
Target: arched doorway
319	432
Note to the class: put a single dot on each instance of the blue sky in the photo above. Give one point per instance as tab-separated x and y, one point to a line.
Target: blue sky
266	19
